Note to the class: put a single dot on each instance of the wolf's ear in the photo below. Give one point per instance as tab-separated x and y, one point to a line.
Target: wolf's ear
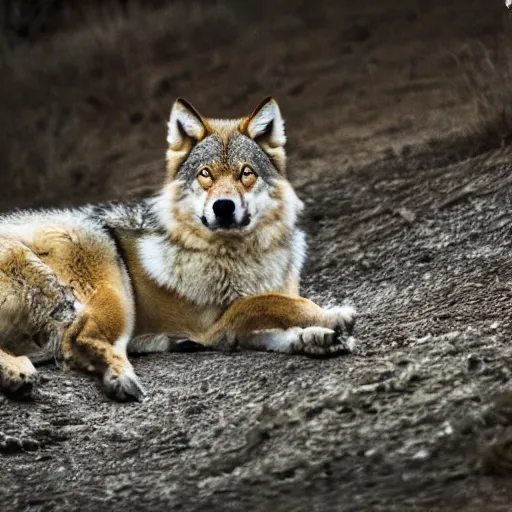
186	129
185	125
266	127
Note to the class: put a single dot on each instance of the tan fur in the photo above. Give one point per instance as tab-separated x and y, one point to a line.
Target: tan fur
265	311
16	372
193	236
223	128
63	280
91	271
276	153
160	310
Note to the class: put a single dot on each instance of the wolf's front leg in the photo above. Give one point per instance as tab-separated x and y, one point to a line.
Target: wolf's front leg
282	323
97	340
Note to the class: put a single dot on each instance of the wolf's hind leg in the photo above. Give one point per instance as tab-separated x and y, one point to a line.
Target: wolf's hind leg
97	338
97	341
32	303
17	374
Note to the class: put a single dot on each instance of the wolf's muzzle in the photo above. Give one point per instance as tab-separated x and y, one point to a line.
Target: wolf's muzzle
224	210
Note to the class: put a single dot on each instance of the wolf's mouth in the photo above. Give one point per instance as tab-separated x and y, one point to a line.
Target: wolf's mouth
230	225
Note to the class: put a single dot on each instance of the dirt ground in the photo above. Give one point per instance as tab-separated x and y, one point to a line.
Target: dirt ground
398	140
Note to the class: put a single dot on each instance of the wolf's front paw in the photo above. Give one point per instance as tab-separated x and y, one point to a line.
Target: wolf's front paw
341	319
18	377
320	341
124	387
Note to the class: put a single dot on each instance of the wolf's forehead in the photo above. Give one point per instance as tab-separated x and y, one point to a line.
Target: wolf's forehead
227	153
242	149
209	151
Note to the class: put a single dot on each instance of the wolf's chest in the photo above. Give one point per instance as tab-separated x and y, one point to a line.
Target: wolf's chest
221	279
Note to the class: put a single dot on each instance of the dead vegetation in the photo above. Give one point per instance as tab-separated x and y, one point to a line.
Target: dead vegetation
77	100
487	71
87	105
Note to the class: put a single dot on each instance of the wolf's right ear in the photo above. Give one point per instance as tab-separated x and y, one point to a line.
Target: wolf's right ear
186	129
265	126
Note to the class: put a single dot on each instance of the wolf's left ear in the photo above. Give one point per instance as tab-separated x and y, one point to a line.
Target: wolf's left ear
266	127
186	129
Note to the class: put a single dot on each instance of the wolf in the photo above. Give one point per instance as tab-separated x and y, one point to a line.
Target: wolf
214	258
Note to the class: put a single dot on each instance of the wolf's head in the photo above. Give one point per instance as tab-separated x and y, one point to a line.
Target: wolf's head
225	178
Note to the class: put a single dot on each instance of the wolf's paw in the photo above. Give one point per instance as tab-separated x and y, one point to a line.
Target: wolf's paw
341	319
18	377
320	341
124	387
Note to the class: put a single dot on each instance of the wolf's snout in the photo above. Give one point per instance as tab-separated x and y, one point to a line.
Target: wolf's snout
224	210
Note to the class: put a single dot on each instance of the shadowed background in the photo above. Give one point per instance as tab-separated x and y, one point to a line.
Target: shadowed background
399	122
86	87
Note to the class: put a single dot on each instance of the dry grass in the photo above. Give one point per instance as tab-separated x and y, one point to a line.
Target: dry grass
79	102
488	75
484	73
86	107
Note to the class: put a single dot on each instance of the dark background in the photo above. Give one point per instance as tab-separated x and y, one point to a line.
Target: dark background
399	121
86	87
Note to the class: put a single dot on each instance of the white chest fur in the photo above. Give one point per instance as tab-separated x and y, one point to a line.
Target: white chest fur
219	280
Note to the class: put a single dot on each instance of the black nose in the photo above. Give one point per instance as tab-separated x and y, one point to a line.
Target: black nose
224	210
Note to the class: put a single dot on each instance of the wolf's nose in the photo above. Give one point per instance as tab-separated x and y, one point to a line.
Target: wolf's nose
224	210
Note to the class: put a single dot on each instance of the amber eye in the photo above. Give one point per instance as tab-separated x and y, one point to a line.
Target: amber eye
247	176
205	172
205	178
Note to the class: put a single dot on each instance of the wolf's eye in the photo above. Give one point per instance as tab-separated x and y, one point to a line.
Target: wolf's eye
247	176
205	173
205	178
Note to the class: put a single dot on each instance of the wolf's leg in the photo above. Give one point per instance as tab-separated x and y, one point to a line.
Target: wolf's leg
32	301
149	344
17	374
97	342
87	260
282	323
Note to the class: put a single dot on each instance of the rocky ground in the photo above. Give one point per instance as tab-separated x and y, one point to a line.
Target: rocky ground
398	126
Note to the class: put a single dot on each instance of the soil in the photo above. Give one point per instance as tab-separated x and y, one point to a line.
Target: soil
408	214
